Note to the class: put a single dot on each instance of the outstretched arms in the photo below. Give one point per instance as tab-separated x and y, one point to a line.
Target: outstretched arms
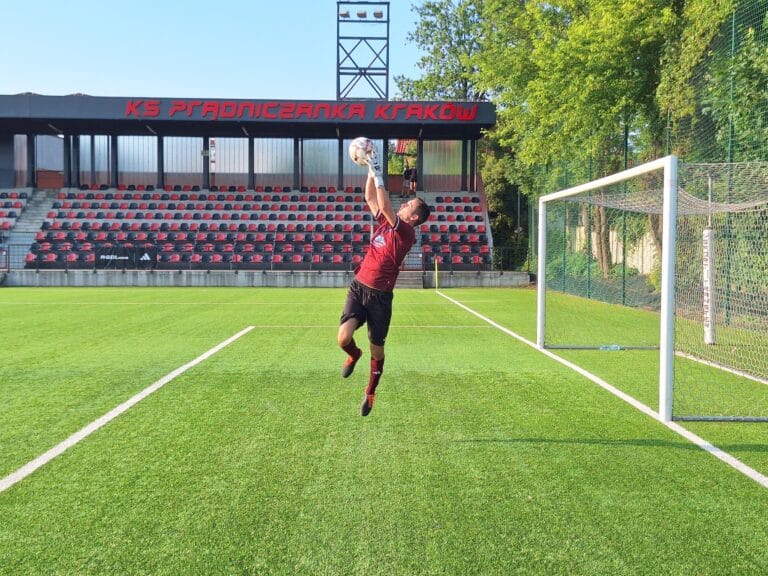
371	196
377	198
376	195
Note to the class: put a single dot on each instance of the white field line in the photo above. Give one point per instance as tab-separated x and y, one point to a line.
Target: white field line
326	326
57	450
688	435
723	368
160	303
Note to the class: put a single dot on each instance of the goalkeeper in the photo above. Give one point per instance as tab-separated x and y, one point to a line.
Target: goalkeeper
369	298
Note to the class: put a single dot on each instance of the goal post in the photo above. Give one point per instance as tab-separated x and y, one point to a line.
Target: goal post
665	256
667	332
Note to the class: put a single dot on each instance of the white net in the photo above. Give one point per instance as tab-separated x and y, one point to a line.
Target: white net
604	244
722	291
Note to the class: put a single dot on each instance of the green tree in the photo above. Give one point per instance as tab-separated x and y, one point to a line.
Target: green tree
688	49
448	33
737	100
507	209
396	163
572	79
575	83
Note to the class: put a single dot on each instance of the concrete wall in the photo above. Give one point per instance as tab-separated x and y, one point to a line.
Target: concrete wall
277	279
477	279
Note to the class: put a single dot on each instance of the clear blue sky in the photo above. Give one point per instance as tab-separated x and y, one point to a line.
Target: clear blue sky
184	48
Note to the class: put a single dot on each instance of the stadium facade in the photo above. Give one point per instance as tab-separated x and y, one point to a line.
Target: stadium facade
114	191
79	139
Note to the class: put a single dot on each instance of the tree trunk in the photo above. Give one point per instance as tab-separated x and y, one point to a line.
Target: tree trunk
602	241
584	221
654	223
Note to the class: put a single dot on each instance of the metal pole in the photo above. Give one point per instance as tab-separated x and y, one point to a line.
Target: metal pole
624	223
541	275
667	335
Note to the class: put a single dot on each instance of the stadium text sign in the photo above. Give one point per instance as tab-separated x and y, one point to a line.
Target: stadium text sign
300	110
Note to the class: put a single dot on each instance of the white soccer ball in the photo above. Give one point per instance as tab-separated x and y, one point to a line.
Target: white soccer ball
359	149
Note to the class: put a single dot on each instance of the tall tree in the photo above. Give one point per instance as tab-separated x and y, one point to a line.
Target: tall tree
687	48
585	71
575	82
448	34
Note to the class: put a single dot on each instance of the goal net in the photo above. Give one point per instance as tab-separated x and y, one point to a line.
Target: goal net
671	259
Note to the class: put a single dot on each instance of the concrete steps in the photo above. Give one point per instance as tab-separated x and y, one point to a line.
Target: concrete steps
410	279
31	218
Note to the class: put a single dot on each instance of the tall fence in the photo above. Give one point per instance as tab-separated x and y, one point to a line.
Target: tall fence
722	118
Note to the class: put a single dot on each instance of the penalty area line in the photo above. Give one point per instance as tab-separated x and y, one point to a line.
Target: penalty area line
60	448
687	434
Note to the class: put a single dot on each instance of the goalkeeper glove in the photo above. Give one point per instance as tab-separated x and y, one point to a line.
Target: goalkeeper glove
374	168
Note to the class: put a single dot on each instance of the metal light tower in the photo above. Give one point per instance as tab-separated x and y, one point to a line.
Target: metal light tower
362	32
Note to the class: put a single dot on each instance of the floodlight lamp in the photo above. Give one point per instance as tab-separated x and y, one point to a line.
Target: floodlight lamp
378	14
362	14
344	14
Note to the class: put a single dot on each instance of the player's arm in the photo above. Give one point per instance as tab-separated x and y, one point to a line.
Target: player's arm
375	193
371	196
385	205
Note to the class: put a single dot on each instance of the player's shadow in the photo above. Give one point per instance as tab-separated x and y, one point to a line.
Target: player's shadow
636	442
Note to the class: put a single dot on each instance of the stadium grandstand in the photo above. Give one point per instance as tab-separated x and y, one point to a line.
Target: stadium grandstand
195	185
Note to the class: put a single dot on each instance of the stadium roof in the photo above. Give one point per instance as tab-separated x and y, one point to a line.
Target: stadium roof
82	114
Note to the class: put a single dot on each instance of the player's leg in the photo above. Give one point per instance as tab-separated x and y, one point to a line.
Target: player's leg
379	316
348	344
346	334
377	369
352	317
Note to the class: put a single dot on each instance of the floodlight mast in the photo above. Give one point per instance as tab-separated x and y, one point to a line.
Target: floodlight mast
362	50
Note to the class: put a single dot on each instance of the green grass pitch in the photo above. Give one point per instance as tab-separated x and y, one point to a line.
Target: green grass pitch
481	456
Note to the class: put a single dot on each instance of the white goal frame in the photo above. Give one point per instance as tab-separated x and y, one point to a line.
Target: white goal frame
669	166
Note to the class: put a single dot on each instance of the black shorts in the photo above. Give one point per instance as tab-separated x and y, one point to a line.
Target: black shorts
369	305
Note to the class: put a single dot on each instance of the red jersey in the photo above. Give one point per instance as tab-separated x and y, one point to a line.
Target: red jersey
388	248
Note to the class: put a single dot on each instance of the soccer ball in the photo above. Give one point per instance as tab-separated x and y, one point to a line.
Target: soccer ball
359	149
